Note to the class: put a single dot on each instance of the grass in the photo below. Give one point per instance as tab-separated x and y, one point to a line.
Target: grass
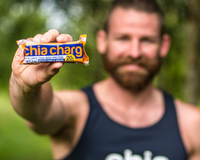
17	141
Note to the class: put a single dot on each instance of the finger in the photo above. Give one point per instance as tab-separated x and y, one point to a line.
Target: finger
46	72
37	38
53	68
49	36
17	60
20	52
29	39
19	55
64	38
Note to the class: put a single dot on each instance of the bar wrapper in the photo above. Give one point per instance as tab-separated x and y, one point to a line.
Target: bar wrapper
70	52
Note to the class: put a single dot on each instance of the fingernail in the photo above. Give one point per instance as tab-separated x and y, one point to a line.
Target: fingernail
44	39
61	38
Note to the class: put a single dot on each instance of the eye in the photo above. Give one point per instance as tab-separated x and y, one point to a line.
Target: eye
148	40
123	38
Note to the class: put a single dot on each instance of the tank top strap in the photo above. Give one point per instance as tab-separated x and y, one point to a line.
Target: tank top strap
170	110
171	120
91	97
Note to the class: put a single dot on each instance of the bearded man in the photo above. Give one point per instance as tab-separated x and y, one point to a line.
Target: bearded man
123	117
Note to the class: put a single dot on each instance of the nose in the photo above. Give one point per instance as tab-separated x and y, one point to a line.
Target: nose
134	49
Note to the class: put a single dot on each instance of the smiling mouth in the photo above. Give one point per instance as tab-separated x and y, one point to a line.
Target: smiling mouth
133	68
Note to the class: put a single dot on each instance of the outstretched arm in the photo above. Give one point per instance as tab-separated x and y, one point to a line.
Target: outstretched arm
30	93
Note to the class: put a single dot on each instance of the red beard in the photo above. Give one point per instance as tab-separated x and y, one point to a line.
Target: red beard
135	81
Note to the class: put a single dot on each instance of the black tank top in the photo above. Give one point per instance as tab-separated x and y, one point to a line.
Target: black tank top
104	139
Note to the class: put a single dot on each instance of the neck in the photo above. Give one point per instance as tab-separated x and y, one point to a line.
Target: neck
127	98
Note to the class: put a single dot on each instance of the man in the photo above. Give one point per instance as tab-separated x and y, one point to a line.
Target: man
123	117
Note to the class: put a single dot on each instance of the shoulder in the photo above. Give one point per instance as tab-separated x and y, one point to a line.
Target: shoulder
189	113
189	123
71	96
74	101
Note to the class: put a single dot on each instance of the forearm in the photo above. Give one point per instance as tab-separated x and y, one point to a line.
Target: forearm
30	93
32	103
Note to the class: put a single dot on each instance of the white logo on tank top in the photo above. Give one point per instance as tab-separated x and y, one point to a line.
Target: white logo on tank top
128	155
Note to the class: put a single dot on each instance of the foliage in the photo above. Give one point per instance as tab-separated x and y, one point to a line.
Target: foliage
17	141
172	77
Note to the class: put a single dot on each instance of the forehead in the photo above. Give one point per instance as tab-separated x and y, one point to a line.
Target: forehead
133	21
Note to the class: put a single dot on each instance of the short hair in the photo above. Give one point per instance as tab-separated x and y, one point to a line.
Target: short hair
149	6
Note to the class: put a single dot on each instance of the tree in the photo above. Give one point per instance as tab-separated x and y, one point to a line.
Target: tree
193	52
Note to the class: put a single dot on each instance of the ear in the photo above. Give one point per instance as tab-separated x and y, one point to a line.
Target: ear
165	46
101	41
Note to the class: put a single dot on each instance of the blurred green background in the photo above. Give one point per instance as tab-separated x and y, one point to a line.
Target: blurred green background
19	19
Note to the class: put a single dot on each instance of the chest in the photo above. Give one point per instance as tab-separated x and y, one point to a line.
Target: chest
134	118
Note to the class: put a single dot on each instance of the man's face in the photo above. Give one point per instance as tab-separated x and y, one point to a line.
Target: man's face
133	48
